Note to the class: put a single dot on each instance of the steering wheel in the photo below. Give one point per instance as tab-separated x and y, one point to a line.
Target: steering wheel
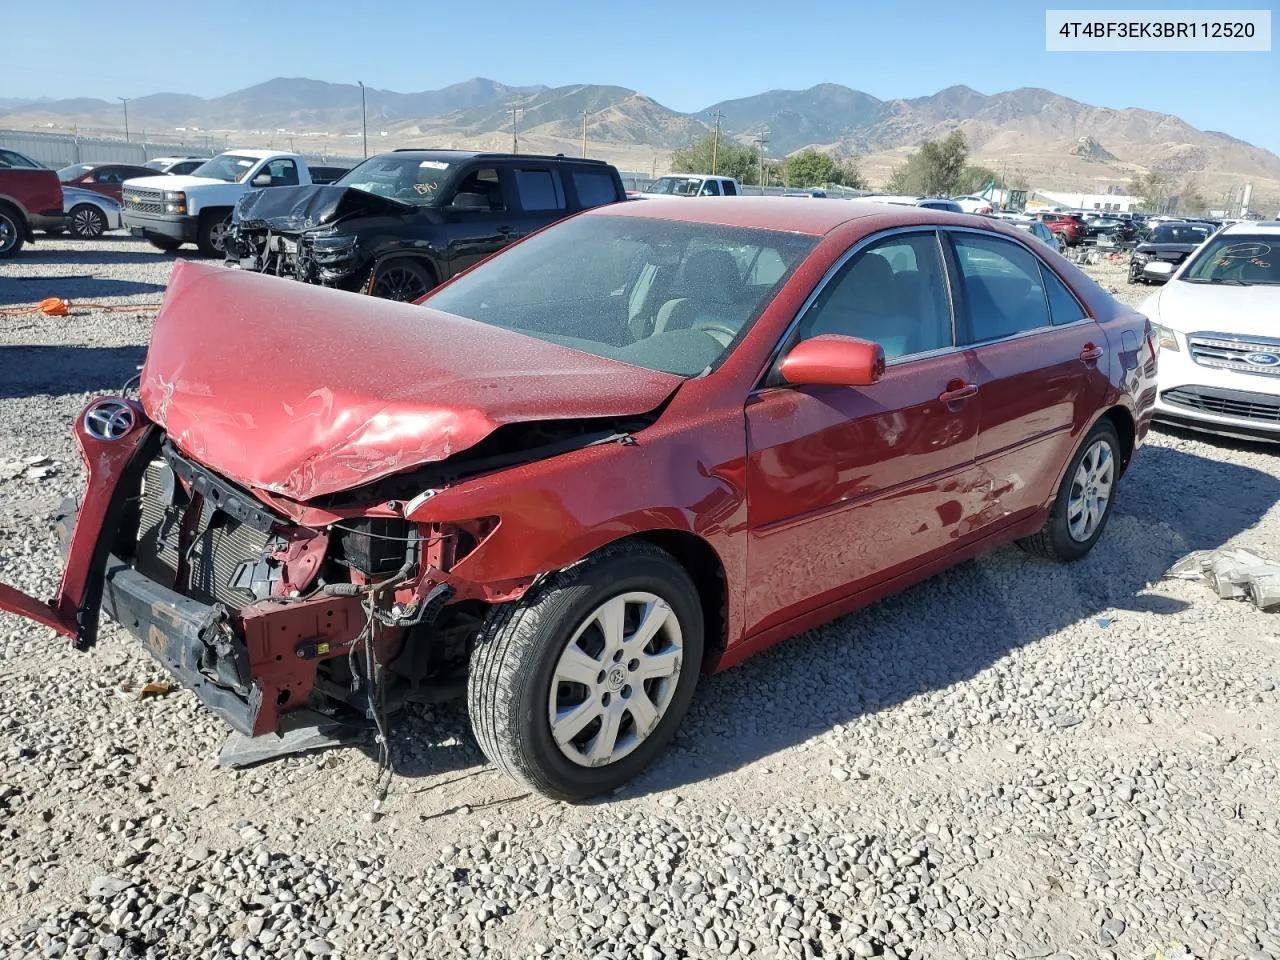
719	331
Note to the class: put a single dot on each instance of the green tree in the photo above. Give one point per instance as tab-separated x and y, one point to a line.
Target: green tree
1191	198
935	170
974	178
732	159
809	168
1152	188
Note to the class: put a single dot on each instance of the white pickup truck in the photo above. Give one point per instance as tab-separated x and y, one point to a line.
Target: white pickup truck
196	208
692	185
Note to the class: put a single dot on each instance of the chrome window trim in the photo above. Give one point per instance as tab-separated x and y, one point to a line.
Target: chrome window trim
834	269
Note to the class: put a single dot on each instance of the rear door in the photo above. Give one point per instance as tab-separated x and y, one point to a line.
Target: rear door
849	486
1040	367
540	197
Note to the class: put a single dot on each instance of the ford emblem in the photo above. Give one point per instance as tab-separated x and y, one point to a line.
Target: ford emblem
1262	359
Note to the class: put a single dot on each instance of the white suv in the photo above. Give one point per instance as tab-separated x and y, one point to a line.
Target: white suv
1217	322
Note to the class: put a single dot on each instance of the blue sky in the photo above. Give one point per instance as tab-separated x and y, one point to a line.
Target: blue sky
684	55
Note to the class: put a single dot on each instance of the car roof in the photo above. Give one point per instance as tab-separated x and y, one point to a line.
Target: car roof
457	156
1269	227
809	215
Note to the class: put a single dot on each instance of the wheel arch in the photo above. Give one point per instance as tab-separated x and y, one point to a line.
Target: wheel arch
1122	419
421	258
704	567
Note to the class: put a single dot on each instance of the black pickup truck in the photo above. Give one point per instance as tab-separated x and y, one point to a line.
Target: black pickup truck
400	223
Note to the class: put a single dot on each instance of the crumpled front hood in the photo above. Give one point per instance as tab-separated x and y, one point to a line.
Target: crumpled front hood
1156	249
1252	311
306	391
293	209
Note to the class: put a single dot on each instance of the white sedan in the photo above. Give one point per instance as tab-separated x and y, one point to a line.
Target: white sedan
971	204
1217	322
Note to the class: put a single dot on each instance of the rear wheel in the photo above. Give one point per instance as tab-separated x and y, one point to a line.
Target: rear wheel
575	690
87	222
402	280
12	232
1084	501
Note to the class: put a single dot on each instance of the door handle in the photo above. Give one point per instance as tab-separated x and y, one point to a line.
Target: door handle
1091	353
958	394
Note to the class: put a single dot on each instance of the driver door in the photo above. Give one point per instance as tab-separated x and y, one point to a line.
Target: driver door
478	217
850	486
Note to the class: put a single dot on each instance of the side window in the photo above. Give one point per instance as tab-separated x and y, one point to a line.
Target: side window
593	188
11	158
1003	289
711	189
110	175
539	190
893	292
1063	306
729	189
284	173
483	188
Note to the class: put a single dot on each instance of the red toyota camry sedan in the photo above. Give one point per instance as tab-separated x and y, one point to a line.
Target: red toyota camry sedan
642	444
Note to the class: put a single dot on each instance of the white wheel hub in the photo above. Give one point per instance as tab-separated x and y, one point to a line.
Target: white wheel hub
1090	491
615	678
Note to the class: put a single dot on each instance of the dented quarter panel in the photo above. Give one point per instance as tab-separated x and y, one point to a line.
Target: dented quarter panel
305	391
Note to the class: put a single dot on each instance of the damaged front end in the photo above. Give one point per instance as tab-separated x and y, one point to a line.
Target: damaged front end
273	532
266	619
299	232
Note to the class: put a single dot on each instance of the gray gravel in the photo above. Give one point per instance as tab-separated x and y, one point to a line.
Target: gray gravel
1014	759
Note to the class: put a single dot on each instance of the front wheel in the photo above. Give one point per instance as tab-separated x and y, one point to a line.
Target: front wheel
402	280
212	233
88	222
167	244
573	691
12	232
1083	505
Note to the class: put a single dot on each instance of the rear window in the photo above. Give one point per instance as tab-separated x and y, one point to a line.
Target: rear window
594	188
539	190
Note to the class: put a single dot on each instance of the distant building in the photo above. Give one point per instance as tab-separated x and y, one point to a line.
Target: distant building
1116	202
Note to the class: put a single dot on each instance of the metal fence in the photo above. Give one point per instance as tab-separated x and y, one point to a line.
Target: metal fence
57	150
638	181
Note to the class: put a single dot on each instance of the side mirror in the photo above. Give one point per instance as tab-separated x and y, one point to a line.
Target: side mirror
833	360
262	180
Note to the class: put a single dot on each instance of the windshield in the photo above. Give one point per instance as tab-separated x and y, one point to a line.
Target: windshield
12	158
660	294
1237	259
227	166
675	186
74	171
1180	233
401	176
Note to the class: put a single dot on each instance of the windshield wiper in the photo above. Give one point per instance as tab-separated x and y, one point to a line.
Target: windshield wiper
1229	281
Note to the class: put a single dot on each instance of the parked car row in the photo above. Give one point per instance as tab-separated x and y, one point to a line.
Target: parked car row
88	199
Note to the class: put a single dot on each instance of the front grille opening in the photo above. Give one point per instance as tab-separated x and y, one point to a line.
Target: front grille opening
221	545
1226	403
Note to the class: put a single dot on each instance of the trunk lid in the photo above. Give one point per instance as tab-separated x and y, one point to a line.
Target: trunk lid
306	391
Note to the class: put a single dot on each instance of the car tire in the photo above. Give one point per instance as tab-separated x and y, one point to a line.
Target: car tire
167	244
1084	500
87	222
528	652
401	279
13	232
211	231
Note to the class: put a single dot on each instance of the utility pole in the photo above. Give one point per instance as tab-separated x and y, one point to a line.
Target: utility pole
584	134
515	129
125	101
762	141
715	144
364	120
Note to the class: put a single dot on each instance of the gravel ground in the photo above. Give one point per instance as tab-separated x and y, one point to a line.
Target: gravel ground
1012	760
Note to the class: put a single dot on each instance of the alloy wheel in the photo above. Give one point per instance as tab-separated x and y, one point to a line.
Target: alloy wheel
8	234
1090	491
218	234
615	678
88	224
399	283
